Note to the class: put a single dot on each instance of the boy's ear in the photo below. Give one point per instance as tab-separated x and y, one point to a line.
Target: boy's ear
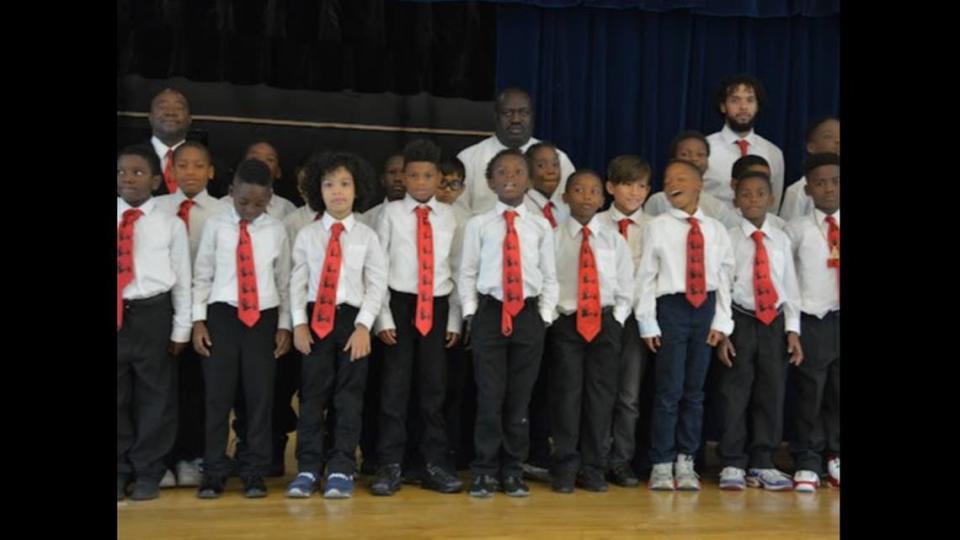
609	185
157	178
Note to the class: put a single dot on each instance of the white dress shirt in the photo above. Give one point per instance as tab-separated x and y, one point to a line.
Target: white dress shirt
796	202
724	151
535	201
204	207
819	292
782	272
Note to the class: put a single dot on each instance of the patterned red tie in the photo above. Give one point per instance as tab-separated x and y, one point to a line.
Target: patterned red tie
248	301
624	226
184	212
696	277
548	213
764	294
833	242
424	271
512	276
125	270
168	177
743	144
326	304
588	291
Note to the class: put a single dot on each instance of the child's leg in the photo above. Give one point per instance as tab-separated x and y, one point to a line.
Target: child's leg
432	385
453	404
191	408
351	378
369	431
523	362
734	386
490	372
811	382
317	377
602	367
221	373
673	314
257	369
541	417
287	380
395	386
566	394
831	398
766	406
626	412
697	361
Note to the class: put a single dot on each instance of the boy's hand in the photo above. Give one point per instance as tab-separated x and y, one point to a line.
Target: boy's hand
359	343
452	339
726	352
201	339
175	348
715	337
653	343
388	336
467	324
282	340
794	349
302	338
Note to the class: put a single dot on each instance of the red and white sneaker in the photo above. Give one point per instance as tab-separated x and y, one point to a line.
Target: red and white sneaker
805	481
833	471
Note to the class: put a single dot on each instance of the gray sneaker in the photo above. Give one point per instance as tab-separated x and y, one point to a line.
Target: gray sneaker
189	473
661	478
168	480
687	479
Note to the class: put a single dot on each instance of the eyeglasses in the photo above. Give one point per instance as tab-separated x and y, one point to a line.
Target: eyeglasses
453	186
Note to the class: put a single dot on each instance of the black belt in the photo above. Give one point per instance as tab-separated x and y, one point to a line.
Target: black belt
751	312
146	302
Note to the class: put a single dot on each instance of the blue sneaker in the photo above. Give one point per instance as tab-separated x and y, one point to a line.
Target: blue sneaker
339	486
732	478
302	486
771	479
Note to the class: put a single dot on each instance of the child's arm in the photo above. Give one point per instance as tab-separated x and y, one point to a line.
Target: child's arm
623	300
791	307
723	317
203	269
550	291
375	289
645	291
180	262
299	276
455	317
281	273
469	268
385	326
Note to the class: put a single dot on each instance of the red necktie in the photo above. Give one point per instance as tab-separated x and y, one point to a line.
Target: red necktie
248	301
833	242
548	213
588	291
424	271
743	144
624	226
764	295
512	275
327	288
184	212
168	177
696	278
125	270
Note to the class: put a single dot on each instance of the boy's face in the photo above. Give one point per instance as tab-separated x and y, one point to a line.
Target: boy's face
451	186
169	115
629	197
826	138
510	179
753	198
823	186
393	178
421	178
249	200
695	151
545	171
192	170
740	108
584	195
682	185
267	154
134	181
338	192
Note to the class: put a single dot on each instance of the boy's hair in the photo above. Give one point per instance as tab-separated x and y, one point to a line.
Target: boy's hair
193	144
253	171
729	84
502	154
743	163
754	174
542	144
627	169
581	172
818	160
688	163
453	165
261	141
817	122
147	153
421	150
323	163
691	134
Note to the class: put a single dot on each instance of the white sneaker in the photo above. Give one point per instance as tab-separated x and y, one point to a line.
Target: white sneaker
833	471
732	478
661	478
188	472
770	479
805	481
168	480
687	479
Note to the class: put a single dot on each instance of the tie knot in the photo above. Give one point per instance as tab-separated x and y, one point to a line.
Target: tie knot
336	229
509	216
586	231
187	203
625	221
757	236
169	153
244	224
423	212
832	221
549	204
693	222
743	144
132	214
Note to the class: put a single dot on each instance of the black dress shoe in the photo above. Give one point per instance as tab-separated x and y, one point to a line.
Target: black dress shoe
145	489
592	481
562	481
211	486
438	479
388	481
623	476
253	486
